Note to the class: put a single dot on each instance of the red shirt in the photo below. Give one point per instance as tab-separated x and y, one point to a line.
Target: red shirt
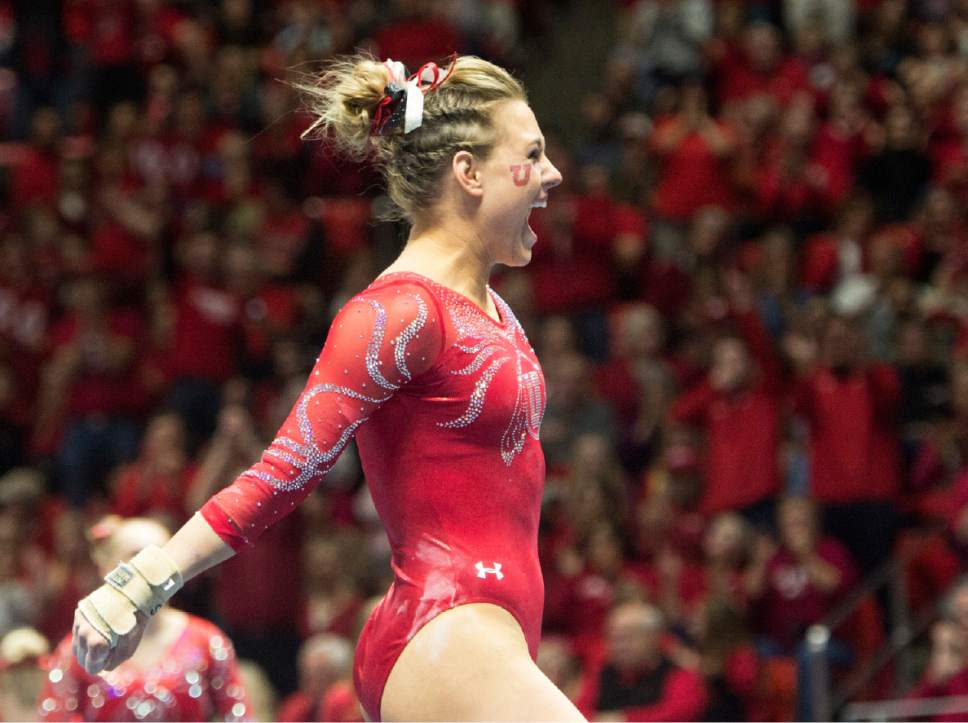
570	269
743	429
681	694
790	602
838	156
445	403
105	27
35	178
138	493
739	81
854	452
691	176
206	327
247	587
417	41
96	389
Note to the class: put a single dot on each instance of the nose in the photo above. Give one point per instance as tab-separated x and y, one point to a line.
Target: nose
551	177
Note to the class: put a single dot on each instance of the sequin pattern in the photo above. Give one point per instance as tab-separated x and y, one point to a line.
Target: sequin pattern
485	340
196	679
406	336
306	456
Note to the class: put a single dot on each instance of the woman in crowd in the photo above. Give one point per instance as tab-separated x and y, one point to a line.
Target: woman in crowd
184	669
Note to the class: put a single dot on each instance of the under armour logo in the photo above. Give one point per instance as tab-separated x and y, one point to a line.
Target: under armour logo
482	571
169	584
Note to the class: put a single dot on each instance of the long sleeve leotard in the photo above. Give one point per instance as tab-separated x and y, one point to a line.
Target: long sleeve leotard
445	404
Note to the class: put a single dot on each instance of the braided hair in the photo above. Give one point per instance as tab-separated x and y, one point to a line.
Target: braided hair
457	115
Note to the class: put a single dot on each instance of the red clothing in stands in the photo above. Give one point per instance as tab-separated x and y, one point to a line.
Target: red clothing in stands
570	269
445	403
417	41
743	429
106	29
791	602
838	155
35	178
669	693
247	587
853	442
96	389
207	323
692	176
196	679
739	81
140	492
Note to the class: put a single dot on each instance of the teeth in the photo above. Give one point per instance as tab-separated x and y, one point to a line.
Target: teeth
540	204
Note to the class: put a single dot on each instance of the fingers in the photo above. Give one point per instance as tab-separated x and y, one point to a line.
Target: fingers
90	648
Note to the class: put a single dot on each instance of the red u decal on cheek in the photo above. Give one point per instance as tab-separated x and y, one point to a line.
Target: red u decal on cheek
521	174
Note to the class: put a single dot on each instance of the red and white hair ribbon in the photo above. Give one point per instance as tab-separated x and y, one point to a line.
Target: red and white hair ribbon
415	86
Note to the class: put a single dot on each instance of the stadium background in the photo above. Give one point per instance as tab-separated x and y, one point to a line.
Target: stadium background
760	244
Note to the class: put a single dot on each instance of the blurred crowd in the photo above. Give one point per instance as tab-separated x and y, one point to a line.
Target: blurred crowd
749	295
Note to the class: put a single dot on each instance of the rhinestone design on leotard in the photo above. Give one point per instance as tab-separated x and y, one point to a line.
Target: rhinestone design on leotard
406	336
476	405
311	462
484	340
376	341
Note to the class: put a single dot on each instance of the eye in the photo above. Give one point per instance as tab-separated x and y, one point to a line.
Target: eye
535	154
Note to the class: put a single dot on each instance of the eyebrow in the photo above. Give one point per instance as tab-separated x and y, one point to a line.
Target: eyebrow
537	142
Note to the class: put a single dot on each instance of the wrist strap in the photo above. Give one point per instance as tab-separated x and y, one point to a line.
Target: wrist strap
149	580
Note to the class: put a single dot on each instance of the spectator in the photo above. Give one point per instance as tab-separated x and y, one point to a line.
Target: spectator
947	670
571	411
669	40
200	339
22	651
739	407
325	662
332	597
637	380
90	384
157	483
694	148
897	176
637	681
798	583
729	662
795	586
184	670
850	407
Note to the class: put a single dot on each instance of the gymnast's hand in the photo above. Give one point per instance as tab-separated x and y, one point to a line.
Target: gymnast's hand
109	623
92	649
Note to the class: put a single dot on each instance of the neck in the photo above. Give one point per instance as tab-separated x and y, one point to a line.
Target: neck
452	254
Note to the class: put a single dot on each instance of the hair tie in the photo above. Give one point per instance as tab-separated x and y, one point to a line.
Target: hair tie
403	101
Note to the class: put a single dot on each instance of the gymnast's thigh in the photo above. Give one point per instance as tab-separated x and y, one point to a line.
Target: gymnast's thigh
471	663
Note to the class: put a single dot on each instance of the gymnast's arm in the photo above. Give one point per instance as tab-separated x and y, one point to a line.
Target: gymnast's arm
378	342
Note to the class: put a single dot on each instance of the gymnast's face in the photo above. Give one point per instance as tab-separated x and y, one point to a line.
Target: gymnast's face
514	179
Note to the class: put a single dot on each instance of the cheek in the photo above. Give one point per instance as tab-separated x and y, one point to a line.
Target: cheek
521	174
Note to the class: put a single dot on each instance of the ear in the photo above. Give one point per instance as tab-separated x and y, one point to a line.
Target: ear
467	171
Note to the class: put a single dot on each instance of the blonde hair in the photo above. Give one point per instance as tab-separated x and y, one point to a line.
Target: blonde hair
458	115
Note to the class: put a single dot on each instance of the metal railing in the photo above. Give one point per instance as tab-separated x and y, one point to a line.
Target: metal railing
827	701
886	710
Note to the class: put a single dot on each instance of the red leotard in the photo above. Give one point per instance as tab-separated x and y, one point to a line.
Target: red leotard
445	403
